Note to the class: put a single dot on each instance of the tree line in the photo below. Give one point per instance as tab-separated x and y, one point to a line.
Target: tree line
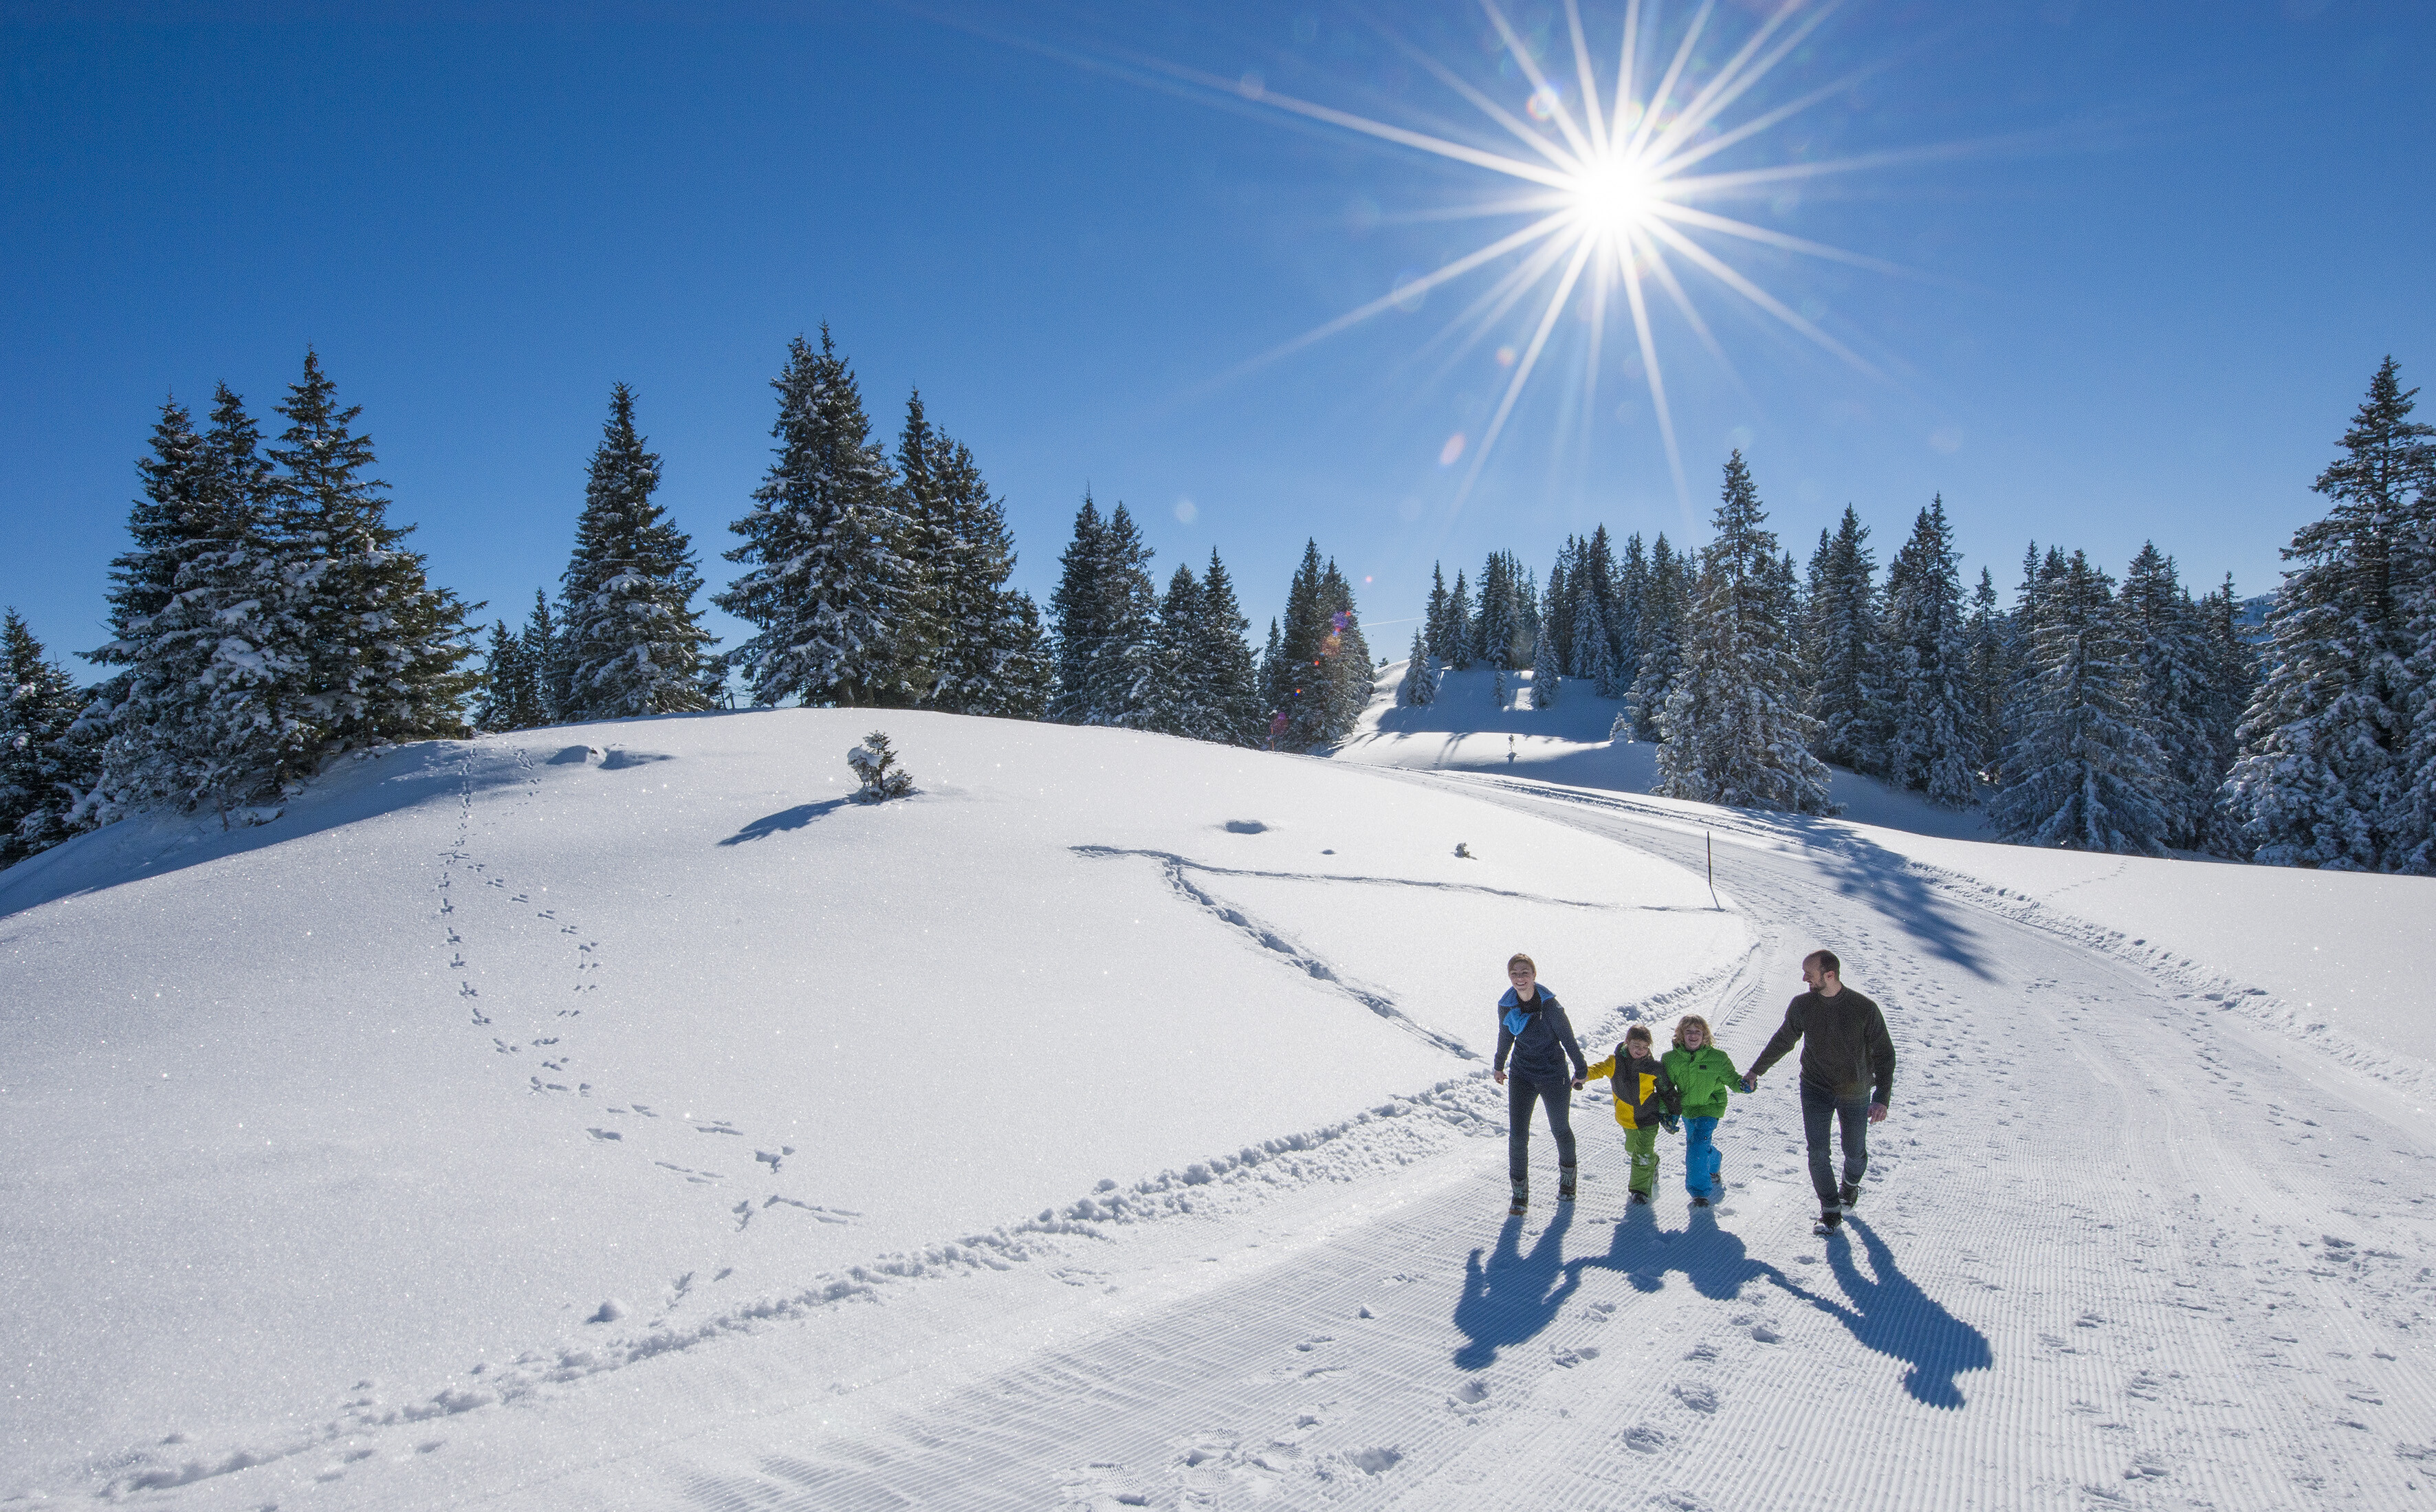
267	617
2123	715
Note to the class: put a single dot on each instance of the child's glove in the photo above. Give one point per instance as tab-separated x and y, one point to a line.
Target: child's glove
1674	1127
1750	1086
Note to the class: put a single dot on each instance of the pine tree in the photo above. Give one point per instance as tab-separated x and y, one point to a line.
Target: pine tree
2321	779
1419	684
382	649
1232	713
1631	587
510	697
2084	771
1847	692
45	768
1555	637
1434	618
2176	689
1661	612
1348	674
1075	608
634	644
1460	631
1547	662
1932	740
544	645
211	711
2233	674
1989	676
1176	697
1733	730
826	579
1595	645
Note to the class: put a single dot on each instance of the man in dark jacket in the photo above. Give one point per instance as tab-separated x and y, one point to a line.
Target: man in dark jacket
1848	1073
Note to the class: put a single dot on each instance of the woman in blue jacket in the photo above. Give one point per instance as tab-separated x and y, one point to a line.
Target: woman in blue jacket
1532	1031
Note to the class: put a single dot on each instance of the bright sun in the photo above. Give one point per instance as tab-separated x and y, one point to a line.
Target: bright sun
1617	181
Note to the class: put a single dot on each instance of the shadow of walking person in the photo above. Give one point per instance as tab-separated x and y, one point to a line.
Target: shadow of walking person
1713	1260
1508	1298
1894	1317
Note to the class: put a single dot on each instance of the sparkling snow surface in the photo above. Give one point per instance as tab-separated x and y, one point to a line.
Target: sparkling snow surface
1095	1130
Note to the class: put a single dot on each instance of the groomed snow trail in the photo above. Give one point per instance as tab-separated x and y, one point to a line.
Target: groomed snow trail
2119	1248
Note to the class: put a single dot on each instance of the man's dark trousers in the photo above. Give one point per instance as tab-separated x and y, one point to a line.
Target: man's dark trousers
1819	1105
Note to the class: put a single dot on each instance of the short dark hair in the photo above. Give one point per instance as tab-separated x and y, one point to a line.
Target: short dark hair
1639	1031
1825	961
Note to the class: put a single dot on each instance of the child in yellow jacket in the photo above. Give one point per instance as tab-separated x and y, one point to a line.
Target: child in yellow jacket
1644	1099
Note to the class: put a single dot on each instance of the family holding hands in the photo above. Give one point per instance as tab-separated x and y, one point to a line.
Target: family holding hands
1848	1067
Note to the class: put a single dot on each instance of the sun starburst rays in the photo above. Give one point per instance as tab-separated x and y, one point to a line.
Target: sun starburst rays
1610	196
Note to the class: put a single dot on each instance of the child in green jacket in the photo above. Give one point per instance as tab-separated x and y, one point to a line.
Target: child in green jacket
1644	1098
1702	1075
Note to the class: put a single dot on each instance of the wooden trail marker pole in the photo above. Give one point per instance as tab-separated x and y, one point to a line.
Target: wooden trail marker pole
1711	841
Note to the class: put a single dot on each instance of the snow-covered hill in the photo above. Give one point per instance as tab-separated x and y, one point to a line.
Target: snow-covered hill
617	1117
594	1042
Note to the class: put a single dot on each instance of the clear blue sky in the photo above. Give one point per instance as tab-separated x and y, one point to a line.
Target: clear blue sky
2148	277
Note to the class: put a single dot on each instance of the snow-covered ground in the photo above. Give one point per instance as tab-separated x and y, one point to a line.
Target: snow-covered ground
1469	728
615	1117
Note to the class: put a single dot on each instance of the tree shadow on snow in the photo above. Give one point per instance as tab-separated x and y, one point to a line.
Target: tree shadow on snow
1863	868
795	818
1893	1316
1510	1296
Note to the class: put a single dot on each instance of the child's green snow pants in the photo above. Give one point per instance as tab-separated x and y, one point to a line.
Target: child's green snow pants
1641	1144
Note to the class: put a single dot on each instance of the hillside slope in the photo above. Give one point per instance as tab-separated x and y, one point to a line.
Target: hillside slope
516	1060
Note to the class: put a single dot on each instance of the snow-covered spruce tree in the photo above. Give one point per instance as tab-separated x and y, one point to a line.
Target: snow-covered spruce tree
1594	585
2234	670
1460	631
1595	645
1419	684
1075	607
1848	696
1296	657
1733	730
873	763
382	649
1434	618
543	642
1554	636
987	658
509	696
826	579
1348	671
1107	609
1733	727
1664	602
149	719
635	642
1231	712
1547	662
1501	633
2172	656
1176	697
44	768
2320	780
1932	735
2084	771
211	710
1989	676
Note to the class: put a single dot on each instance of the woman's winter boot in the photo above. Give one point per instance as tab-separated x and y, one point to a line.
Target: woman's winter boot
1522	1196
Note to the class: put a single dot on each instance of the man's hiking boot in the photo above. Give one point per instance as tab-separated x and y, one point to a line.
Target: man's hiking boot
1851	1195
1830	1220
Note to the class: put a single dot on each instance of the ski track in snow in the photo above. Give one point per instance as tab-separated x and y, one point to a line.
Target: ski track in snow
2110	1255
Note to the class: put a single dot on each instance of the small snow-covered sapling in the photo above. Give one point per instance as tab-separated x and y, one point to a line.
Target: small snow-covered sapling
874	764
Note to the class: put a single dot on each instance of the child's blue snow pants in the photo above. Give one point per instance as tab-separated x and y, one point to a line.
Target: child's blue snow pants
1702	1160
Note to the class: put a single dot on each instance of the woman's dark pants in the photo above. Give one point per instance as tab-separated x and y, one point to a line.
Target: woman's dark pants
1519	1095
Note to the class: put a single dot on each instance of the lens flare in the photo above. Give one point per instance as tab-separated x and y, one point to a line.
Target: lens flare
1616	182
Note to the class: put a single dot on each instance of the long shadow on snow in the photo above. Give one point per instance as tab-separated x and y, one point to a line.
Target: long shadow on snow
1508	1298
1894	1317
795	818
